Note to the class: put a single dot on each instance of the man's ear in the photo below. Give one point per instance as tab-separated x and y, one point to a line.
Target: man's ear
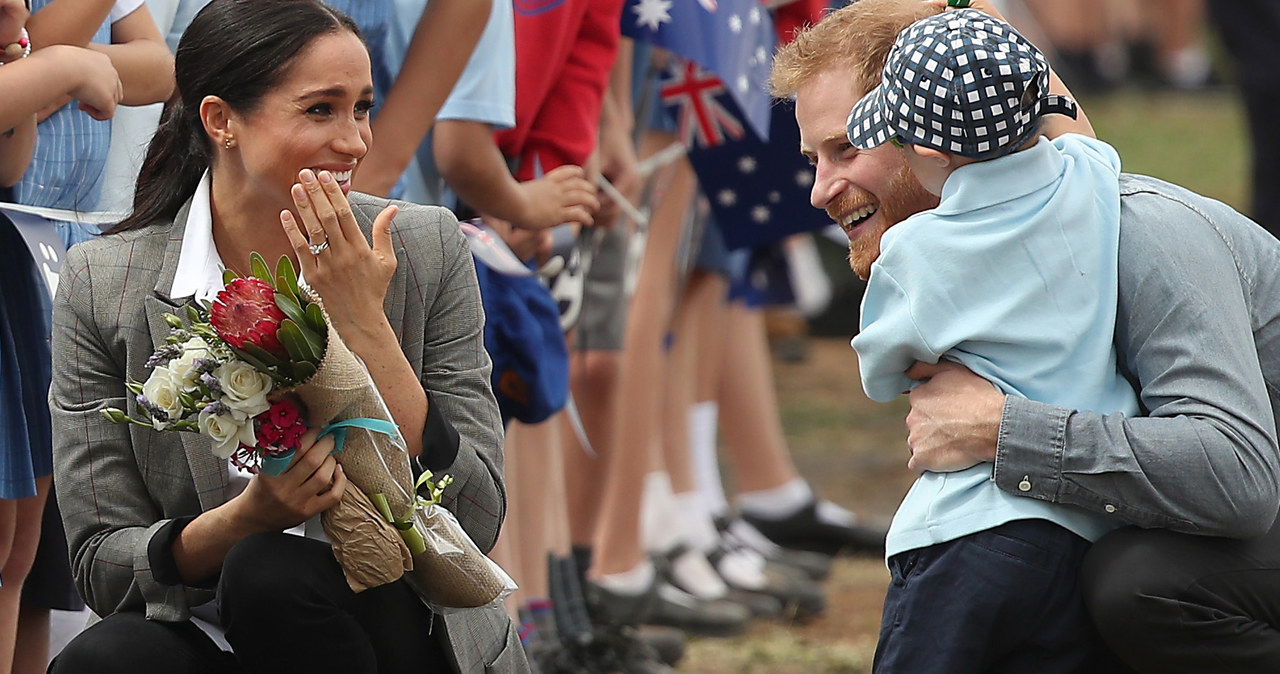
942	159
218	120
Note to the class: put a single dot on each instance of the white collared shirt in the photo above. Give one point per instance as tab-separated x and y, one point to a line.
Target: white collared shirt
199	272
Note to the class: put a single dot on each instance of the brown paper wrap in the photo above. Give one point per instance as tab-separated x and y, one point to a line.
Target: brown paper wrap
451	572
370	550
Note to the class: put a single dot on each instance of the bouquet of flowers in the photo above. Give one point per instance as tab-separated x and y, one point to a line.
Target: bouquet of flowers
251	370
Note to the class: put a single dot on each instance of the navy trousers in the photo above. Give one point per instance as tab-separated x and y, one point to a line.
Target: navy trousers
1003	600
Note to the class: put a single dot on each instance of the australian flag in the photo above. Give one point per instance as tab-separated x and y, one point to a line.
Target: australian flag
743	145
731	38
758	190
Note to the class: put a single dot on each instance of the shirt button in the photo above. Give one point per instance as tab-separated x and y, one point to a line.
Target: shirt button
1109	508
1025	485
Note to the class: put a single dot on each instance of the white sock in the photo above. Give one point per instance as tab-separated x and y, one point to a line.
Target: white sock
705	457
657	511
808	280
631	583
694	574
742	568
833	514
743	533
777	503
697	529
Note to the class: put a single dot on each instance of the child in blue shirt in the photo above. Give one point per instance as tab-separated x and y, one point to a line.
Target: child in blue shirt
984	580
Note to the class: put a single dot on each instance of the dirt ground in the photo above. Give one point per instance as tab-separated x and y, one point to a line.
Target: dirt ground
854	452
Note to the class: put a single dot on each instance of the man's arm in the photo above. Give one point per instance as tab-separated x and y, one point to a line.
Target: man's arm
1204	459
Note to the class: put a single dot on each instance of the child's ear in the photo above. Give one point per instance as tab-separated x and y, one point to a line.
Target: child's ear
942	159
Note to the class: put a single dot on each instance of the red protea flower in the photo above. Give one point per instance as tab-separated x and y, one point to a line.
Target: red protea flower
245	312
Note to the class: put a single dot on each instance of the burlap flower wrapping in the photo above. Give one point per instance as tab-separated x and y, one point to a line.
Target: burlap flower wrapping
451	572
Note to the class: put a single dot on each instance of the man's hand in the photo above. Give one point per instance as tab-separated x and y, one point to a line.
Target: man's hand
954	420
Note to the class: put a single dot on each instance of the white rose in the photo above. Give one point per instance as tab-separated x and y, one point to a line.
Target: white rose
161	390
183	368
244	389
226	432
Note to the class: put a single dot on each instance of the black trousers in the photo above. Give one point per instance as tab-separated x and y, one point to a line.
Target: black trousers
1172	603
286	608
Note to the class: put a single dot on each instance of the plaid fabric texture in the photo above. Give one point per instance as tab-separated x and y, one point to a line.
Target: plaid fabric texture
961	82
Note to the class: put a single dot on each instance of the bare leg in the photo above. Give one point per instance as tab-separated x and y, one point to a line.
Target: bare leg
755	444
594	383
32	653
538	506
709	300
618	546
680	392
19	534
1178	27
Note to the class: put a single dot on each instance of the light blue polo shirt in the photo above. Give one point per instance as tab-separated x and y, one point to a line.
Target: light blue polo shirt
1013	275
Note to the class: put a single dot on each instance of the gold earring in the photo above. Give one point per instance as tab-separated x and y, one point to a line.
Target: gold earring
226	142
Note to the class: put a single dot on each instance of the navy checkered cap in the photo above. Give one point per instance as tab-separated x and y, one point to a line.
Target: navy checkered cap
961	82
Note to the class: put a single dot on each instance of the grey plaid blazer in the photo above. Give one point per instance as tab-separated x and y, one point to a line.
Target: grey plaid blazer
118	484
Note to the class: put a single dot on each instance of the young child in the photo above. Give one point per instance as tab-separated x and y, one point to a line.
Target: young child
984	580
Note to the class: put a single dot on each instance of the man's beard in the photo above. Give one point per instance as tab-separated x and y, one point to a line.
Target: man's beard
903	198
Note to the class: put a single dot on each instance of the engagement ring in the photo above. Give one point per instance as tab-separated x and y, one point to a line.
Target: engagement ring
317	248
957	3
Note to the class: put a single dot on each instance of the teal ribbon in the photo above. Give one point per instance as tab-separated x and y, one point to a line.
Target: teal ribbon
338	429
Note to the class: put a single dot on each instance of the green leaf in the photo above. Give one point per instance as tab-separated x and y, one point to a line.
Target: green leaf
314	342
291	337
261	359
282	288
228	276
290	307
315	320
285	271
115	416
303	371
380	502
193	314
259	267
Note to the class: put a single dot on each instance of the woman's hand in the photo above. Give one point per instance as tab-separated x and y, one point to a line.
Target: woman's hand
350	275
313	483
954	420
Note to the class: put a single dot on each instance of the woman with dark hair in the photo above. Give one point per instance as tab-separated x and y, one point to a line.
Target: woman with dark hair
255	152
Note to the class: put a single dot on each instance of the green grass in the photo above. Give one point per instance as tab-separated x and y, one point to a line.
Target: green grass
1197	140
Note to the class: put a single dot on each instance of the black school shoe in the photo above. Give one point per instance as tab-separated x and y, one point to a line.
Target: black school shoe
665	604
803	530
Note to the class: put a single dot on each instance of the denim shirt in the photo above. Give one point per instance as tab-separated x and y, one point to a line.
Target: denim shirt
1198	335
